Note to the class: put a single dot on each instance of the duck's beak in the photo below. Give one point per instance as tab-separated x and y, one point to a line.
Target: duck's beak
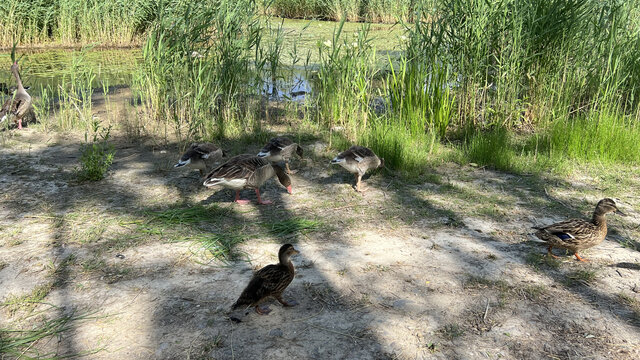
618	212
295	252
289	190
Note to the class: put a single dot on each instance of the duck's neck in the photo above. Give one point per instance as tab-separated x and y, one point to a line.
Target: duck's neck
600	220
16	74
285	261
283	178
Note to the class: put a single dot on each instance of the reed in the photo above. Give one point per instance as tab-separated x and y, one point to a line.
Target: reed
387	11
73	22
198	68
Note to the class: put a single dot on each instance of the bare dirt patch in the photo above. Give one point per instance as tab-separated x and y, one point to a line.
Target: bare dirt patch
428	270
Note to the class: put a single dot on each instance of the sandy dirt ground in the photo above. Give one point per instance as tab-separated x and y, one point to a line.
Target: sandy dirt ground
438	269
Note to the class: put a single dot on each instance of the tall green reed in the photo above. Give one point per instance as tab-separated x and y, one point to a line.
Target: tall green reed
109	22
343	85
198	71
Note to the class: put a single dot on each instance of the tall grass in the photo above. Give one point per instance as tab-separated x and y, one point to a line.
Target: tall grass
343	86
198	71
67	22
388	11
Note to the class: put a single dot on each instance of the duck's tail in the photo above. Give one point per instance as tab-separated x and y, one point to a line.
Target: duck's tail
212	182
534	237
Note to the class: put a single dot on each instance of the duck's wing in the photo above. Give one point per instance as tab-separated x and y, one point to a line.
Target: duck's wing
275	146
205	150
355	154
22	103
265	282
571	231
238	167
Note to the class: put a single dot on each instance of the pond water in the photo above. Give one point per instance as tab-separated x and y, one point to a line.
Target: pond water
46	68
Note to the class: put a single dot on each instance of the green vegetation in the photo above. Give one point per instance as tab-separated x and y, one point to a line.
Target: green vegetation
513	85
19	343
96	156
352	10
584	277
109	22
185	214
28	301
293	226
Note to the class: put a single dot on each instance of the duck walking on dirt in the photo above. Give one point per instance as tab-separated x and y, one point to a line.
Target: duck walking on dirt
281	149
201	157
271	280
247	171
19	103
578	234
358	160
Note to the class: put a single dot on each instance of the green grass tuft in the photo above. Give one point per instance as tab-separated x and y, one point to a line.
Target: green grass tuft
20	343
293	226
191	214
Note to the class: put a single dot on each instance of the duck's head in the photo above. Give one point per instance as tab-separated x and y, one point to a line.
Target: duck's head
606	206
284	179
287	250
15	69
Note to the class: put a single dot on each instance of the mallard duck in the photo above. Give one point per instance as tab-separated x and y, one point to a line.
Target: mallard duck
201	156
280	149
271	280
358	160
246	171
578	234
19	103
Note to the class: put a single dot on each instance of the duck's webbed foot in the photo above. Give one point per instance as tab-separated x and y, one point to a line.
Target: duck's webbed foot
285	302
580	258
260	201
263	310
550	253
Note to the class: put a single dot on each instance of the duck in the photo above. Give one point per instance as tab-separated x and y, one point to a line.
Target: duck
19	103
247	171
271	280
578	234
358	160
199	156
281	149
9	90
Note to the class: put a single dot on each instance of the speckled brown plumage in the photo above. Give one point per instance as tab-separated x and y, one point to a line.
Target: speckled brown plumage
201	156
246	171
281	149
578	234
271	280
358	160
19	103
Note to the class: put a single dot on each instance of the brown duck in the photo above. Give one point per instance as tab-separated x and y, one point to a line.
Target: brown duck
358	160
246	171
201	157
19	103
281	149
577	234
271	280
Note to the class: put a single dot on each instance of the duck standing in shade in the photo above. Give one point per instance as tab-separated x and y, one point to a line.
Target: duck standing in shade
271	280
358	160
280	149
19	103
247	171
201	157
578	234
